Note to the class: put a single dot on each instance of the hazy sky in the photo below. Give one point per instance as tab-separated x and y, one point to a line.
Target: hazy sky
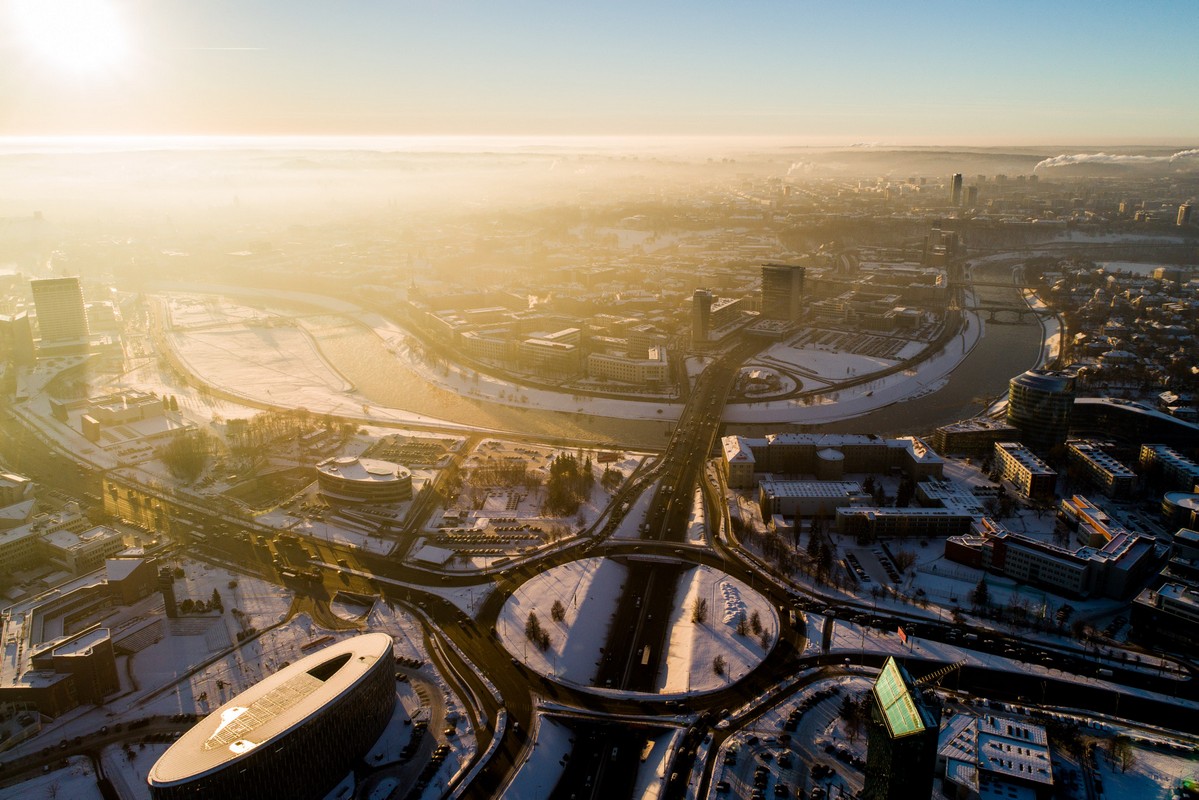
821	72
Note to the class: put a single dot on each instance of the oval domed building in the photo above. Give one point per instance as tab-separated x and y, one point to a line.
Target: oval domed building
363	480
292	736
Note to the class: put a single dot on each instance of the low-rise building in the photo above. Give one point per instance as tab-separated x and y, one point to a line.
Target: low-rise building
1176	471
809	498
1086	522
994	757
1167	615
1116	569
80	553
1028	473
1181	509
747	459
651	370
973	437
548	357
363	480
873	523
1101	468
23	546
14	488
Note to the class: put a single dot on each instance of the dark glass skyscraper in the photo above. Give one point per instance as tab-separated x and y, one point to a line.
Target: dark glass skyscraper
1039	404
901	740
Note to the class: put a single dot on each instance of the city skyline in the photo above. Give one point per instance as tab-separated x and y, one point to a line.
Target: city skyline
1022	74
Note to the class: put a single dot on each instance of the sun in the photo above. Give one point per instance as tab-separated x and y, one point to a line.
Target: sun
80	38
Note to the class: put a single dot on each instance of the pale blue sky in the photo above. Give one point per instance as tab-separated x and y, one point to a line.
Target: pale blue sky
828	73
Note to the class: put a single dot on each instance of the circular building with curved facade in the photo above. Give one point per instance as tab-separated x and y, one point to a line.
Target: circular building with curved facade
363	480
1039	405
292	736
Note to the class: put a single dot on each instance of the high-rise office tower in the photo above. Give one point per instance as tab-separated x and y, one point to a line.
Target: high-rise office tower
1184	214
971	196
60	314
782	291
16	339
901	740
955	192
1039	404
701	316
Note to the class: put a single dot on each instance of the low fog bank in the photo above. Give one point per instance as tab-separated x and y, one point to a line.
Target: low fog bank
308	179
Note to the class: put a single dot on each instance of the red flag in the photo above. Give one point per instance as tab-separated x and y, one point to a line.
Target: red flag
903	637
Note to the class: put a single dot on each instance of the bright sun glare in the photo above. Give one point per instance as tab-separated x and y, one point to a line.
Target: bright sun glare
77	37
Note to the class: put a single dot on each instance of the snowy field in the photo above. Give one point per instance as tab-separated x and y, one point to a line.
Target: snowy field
588	589
925	378
825	364
693	647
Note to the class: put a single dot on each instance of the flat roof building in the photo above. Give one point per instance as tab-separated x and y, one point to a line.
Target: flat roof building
805	453
1168	614
1102	469
1032	476
782	292
1119	567
994	757
973	437
1175	470
808	498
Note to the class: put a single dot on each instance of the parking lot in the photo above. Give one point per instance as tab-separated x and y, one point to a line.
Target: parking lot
789	752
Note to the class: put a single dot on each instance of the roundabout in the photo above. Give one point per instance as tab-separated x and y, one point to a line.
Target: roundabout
558	623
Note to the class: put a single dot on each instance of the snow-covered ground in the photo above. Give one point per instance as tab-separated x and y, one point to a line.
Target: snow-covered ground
589	590
76	781
693	647
538	775
128	768
1154	775
486	522
838	404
